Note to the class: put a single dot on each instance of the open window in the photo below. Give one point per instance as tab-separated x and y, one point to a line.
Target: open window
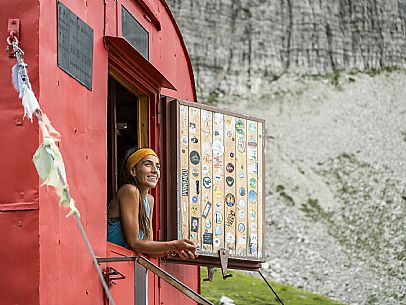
127	127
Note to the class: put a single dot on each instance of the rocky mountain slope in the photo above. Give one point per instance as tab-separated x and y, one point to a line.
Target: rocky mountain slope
328	77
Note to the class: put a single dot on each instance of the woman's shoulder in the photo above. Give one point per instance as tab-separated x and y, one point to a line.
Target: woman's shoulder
128	190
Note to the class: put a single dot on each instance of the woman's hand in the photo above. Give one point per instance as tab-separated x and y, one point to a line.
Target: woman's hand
185	248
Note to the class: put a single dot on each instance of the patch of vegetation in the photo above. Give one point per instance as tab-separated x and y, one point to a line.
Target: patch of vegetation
287	199
213	99
248	290
333	78
314	211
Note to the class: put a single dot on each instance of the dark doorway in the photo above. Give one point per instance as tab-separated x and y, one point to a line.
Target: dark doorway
122	131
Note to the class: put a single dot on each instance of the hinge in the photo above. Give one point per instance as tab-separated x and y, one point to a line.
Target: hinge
158	112
111	274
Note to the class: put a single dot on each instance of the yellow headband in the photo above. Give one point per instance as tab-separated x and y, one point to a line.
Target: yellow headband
138	156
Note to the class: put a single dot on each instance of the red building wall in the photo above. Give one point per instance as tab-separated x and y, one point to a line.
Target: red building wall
44	258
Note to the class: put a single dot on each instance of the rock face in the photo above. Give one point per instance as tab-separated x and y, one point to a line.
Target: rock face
328	78
238	47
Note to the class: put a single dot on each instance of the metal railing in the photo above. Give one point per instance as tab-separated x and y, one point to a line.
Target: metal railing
142	261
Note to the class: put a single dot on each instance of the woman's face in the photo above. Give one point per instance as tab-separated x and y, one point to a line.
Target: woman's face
147	171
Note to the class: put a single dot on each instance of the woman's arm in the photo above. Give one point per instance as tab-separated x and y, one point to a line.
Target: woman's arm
129	197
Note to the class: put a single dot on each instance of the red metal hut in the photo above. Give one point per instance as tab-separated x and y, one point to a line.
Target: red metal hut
43	258
105	72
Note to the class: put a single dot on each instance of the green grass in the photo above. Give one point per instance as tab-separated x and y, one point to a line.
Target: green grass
249	290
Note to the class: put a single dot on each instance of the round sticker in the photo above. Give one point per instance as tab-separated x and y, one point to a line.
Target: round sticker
230	200
207	182
232	155
195	199
216	242
184	139
192	128
241	203
208	223
205	169
252	143
218	217
252	127
194	157
218	148
253	183
229	237
241	213
230	181
242	191
194	140
241	227
195	172
252	196
239	126
230	167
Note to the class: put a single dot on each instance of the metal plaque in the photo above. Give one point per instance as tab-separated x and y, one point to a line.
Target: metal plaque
134	33
75	46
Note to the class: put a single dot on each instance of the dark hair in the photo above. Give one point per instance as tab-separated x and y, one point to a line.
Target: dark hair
125	177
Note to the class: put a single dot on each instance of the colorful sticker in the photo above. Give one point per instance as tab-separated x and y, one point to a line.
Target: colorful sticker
195	199
206	209
195	172
253	183
241	203
207	238
218	217
241	227
230	167
241	174
242	191
230	218
194	157
253	215
252	127
241	144
194	224
239	126
230	237
192	128
218	148
230	181
252	143
207	182
230	200
185	182
218	231
241	213
184	140
252	196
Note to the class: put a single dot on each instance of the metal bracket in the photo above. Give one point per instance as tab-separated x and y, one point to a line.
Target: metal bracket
111	274
223	253
210	272
13	29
